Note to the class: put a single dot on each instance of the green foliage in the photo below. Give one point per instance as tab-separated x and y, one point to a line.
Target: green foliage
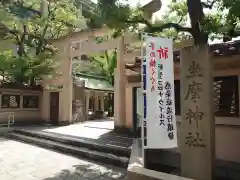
105	64
24	69
232	23
30	27
114	13
221	18
180	8
233	9
31	24
58	19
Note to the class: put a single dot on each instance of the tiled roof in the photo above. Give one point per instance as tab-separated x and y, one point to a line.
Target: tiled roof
216	50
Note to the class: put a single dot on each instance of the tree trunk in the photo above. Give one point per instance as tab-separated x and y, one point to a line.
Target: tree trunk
196	15
32	82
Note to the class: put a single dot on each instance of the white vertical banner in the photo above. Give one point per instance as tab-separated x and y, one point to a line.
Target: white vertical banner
160	105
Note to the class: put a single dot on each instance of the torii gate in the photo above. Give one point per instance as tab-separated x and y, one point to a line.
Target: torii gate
81	43
91	47
84	43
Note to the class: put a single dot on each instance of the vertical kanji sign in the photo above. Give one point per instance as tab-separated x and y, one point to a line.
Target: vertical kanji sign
159	82
197	130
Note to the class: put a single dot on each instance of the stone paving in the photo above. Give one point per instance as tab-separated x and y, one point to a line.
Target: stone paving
20	161
101	130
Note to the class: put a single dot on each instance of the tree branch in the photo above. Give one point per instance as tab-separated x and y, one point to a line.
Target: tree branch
142	21
56	32
21	48
160	28
15	35
177	27
180	20
209	6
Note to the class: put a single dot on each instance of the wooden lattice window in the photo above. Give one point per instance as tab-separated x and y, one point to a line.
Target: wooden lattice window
226	97
30	101
10	101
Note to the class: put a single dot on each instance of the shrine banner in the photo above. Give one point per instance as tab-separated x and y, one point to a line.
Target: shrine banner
160	117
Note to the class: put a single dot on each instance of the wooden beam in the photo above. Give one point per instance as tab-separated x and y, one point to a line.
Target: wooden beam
92	47
134	78
77	36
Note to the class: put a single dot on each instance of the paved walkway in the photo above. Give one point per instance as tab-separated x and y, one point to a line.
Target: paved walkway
101	130
20	161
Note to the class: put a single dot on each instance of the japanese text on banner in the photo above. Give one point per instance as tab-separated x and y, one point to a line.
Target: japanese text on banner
160	94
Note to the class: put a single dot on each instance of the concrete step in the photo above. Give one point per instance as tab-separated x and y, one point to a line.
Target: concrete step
78	142
89	154
4	130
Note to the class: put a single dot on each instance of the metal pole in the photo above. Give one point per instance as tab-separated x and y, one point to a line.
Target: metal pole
143	91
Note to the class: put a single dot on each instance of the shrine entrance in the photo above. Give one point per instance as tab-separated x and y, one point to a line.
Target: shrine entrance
137	108
90	46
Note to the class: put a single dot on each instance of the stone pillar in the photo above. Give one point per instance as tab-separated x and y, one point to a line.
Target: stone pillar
95	101
67	87
45	106
21	101
102	101
87	96
119	88
197	129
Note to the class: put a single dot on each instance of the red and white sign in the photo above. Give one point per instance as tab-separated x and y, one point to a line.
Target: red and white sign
160	105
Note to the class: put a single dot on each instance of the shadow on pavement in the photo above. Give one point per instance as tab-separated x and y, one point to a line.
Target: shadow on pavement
90	171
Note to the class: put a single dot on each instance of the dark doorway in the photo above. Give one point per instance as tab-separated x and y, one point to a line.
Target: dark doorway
54	107
136	106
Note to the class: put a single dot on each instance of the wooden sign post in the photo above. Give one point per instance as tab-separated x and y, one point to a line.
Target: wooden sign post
197	129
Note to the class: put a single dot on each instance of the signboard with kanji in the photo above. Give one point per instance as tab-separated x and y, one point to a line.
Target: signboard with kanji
158	88
197	130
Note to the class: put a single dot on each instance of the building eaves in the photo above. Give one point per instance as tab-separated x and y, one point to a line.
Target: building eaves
226	49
